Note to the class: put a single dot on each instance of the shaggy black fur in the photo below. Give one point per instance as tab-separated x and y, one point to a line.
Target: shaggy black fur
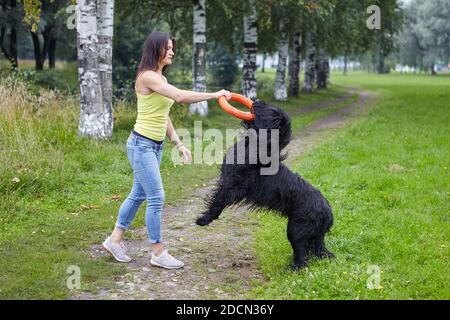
309	213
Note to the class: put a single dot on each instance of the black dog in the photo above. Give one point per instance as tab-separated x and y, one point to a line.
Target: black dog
309	213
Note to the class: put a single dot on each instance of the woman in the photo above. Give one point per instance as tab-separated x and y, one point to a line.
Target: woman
155	96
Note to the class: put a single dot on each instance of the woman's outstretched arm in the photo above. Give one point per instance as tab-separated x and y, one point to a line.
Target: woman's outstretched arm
153	81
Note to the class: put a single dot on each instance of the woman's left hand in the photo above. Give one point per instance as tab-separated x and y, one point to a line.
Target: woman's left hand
187	157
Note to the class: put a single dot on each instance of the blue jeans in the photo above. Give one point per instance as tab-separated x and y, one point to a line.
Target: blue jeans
145	158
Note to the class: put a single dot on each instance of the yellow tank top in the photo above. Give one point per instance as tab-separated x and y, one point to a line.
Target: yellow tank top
153	114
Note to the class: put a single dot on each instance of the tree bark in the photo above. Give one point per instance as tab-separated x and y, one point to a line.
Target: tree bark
250	49
263	69
199	56
13	48
38	59
41	52
47	34
105	28
321	69
10	53
294	66
310	67
381	64
95	119
327	69
280	79
345	62
52	52
433	72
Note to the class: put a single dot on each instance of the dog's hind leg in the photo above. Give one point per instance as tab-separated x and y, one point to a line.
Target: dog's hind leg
221	198
298	236
317	248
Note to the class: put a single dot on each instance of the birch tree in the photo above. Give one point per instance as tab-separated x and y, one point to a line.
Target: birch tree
199	55
105	27
283	47
94	41
321	40
250	50
310	68
294	66
322	68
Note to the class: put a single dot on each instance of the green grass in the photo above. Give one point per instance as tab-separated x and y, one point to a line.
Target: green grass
63	77
58	191
387	178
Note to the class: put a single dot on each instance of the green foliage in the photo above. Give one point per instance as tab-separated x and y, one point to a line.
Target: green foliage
134	21
129	36
63	80
425	39
222	66
225	24
32	13
57	80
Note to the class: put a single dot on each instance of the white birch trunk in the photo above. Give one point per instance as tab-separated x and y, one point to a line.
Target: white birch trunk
327	68
199	56
321	69
280	79
294	66
310	68
250	50
95	118
105	27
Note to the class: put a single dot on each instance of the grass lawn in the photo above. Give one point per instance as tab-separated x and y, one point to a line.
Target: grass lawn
60	194
387	178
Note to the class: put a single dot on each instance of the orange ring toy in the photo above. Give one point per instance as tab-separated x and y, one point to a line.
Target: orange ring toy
246	102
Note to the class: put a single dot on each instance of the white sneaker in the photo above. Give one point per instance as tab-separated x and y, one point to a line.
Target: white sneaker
118	251
165	260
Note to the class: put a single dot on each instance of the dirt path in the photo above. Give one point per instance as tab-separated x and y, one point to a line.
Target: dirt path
219	259
323	105
327	126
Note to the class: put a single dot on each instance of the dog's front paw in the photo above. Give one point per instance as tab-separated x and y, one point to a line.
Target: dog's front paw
327	255
297	266
203	220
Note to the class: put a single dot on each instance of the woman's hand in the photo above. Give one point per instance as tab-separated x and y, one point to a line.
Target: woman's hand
223	92
186	154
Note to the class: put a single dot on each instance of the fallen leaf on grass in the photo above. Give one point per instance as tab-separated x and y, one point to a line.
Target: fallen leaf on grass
15	180
87	207
396	168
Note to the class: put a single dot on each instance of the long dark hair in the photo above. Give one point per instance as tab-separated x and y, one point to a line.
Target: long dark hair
154	49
